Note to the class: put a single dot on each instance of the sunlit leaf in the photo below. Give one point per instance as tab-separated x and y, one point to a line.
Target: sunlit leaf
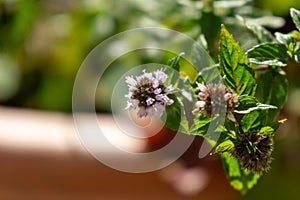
234	65
272	54
174	62
200	125
227	145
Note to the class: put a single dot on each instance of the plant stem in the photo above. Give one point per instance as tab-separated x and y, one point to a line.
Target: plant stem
238	124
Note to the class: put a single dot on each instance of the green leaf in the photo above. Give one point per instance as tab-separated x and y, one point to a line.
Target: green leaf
173	115
274	91
254	120
248	104
210	23
285	39
225	146
275	125
272	54
174	62
239	179
258	106
234	65
271	129
209	75
295	14
291	42
200	125
267	130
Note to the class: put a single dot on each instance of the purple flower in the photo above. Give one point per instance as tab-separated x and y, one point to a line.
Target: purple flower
149	93
215	95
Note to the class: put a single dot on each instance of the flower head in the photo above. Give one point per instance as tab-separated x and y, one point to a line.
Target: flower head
149	93
211	95
254	151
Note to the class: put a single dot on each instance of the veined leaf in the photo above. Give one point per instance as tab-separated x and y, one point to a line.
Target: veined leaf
239	179
272	54
249	104
274	90
234	65
254	120
200	125
295	14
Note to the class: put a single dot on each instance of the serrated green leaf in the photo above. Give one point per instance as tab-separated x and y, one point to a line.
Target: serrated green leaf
272	54
295	14
274	90
234	65
200	125
239	179
246	102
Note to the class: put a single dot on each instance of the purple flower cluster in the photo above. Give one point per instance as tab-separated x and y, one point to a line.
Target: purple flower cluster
149	93
211	95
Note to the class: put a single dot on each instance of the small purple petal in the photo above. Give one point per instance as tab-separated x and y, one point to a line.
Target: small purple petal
202	87
150	101
161	76
200	104
202	95
157	91
155	83
227	96
169	89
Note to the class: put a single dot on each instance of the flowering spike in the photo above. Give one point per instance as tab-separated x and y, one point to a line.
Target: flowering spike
215	95
148	93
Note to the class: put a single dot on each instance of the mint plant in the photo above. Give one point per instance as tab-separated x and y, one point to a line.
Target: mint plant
249	96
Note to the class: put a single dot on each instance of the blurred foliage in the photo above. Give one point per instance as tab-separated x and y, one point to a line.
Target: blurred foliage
42	43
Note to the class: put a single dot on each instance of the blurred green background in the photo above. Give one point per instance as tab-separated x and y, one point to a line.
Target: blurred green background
44	42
